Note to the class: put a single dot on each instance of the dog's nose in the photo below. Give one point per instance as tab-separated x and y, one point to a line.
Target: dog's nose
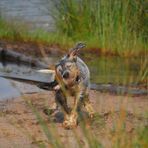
66	75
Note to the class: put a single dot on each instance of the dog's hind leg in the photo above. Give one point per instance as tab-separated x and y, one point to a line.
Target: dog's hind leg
84	100
88	107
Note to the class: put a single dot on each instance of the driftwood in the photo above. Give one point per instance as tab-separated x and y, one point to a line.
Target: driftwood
12	56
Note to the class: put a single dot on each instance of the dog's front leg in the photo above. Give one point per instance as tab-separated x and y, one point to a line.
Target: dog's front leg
62	101
71	119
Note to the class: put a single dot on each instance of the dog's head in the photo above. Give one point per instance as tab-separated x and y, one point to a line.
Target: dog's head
67	70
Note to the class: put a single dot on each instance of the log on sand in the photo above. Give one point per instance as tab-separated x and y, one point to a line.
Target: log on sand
12	56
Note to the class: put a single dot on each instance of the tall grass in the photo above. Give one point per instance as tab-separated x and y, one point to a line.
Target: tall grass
11	30
21	32
113	25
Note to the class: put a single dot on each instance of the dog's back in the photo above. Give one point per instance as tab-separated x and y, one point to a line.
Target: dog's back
84	72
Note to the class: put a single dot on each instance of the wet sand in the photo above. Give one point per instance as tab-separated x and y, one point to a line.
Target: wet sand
20	124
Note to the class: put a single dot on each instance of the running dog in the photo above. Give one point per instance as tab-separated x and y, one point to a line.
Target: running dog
73	78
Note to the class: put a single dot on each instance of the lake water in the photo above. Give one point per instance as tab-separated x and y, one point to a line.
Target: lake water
34	12
10	88
104	70
117	70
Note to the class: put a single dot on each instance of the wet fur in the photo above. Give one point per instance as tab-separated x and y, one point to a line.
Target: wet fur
76	86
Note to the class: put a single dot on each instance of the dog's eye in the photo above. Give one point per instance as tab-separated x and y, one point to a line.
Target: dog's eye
59	68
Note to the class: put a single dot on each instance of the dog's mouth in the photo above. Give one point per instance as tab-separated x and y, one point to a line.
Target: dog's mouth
69	82
67	77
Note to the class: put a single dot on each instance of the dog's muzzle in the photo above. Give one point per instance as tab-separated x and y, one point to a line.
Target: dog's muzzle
65	75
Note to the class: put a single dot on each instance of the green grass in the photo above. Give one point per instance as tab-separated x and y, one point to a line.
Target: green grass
21	32
115	26
109	26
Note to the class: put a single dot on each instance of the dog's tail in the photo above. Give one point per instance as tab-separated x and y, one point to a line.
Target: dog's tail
77	47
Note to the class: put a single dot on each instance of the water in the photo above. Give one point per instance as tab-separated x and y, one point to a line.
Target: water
104	70
7	90
34	12
117	70
12	89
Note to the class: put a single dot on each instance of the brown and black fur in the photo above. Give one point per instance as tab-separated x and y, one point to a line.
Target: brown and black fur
72	75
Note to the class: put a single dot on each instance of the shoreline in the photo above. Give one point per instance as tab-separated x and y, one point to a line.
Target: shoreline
40	49
19	124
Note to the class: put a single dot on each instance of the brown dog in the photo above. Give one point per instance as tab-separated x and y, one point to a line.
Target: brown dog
72	75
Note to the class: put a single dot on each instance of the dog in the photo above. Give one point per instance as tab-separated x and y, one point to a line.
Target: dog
73	78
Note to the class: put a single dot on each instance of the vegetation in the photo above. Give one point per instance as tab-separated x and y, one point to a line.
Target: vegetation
116	26
109	26
21	32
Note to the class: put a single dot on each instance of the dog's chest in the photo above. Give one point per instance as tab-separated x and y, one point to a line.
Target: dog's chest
72	91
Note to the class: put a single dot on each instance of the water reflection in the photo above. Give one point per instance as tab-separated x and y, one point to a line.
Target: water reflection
12	89
115	70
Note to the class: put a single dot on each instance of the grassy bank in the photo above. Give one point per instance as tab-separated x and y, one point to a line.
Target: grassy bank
20	32
115	27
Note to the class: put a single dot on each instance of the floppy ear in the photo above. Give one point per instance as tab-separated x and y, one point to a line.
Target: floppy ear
73	52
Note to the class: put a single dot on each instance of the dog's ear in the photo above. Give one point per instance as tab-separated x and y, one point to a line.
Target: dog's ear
73	52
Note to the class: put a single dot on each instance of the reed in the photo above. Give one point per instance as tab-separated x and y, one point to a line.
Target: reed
17	31
111	26
116	26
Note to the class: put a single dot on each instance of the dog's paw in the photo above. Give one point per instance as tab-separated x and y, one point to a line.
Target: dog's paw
70	121
69	125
